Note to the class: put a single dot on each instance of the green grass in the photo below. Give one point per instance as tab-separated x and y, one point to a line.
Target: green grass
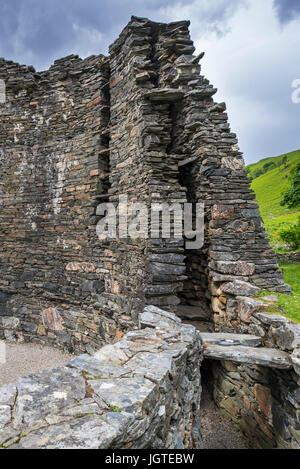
288	306
114	408
269	188
292	159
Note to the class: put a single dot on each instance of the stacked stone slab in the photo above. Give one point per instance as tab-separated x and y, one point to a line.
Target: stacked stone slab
142	124
171	142
130	395
255	381
143	271
52	168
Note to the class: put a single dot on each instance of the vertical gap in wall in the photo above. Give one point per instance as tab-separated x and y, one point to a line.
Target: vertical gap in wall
103	184
103	158
194	296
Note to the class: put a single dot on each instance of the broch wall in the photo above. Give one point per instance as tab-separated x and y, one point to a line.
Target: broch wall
140	123
51	172
142	392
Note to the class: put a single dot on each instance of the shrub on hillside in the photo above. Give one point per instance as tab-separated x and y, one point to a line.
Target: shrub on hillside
291	198
291	235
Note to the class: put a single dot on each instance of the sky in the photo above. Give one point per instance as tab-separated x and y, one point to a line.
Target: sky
251	52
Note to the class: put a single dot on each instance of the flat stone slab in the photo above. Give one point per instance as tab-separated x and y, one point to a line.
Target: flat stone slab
271	319
47	393
263	356
226	339
156	317
239	288
94	367
127	394
89	432
164	94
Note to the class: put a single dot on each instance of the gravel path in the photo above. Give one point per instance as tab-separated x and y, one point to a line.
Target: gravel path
218	433
26	359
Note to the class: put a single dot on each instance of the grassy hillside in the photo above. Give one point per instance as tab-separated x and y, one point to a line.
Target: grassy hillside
269	187
288	306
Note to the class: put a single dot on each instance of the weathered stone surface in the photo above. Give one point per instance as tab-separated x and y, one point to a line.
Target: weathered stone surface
100	404
235	268
95	367
246	307
82	433
164	94
270	298
264	399
127	394
230	339
155	317
5	415
155	367
295	357
270	319
253	356
239	288
9	322
8	394
286	335
112	353
46	393
222	211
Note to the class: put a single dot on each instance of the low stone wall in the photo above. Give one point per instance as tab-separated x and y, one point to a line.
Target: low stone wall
142	392
143	123
288	257
263	402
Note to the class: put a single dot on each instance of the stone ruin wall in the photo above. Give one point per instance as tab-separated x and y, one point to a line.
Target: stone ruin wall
171	142
141	123
263	402
130	395
53	165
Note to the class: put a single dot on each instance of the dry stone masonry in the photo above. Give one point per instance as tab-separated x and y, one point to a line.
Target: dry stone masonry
140	124
51	138
143	392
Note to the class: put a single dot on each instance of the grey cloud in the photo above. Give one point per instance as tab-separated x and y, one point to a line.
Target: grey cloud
46	29
40	31
287	10
256	87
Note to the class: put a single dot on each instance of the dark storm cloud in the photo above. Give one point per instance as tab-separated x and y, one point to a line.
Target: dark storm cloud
48	28
249	57
287	10
40	31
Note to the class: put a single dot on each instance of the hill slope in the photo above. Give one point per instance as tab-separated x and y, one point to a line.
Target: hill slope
269	187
